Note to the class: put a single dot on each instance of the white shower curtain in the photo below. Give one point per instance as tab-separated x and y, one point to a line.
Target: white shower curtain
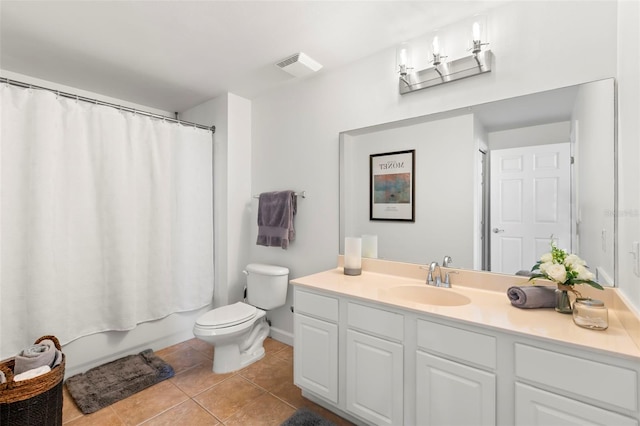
106	218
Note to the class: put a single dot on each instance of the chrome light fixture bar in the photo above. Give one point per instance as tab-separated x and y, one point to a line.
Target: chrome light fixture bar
443	71
446	72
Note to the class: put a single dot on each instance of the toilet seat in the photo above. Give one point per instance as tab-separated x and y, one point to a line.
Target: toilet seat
227	316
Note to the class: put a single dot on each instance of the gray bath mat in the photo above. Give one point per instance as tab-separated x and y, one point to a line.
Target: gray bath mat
108	383
305	417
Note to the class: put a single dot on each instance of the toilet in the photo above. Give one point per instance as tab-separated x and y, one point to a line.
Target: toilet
237	331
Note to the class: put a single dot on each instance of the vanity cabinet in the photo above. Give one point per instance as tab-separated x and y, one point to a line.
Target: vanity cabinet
374	364
377	363
316	344
447	390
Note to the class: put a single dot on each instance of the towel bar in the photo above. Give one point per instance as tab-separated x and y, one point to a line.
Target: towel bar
302	194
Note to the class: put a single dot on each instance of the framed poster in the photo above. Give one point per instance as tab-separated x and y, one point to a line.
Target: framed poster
391	186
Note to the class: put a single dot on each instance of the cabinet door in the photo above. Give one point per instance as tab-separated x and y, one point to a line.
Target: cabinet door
540	408
315	356
374	379
449	393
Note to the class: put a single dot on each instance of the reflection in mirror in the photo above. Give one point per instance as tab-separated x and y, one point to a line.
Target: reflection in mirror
494	182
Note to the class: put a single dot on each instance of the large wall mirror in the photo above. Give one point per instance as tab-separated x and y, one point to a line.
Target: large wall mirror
495	182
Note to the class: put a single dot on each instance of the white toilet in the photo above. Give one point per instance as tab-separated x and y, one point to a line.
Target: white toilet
237	331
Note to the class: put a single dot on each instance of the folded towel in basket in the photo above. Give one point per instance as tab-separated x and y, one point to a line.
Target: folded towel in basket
275	218
532	296
38	355
3	378
30	374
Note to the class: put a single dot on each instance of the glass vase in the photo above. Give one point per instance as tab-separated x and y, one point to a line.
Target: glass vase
563	303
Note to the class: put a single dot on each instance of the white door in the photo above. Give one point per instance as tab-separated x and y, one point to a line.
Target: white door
316	356
449	393
375	379
535	407
530	201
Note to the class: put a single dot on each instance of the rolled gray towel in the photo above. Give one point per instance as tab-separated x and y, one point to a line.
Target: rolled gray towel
529	297
43	353
3	378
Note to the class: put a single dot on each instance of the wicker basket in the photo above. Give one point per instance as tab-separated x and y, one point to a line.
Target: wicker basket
36	401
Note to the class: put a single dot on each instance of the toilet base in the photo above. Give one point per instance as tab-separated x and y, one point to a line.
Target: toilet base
228	358
236	355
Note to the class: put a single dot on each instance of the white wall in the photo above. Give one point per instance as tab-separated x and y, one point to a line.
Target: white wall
231	115
444	176
532	135
629	148
593	124
537	46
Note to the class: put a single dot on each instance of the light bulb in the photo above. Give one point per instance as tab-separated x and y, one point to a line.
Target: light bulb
436	45
403	58
476	31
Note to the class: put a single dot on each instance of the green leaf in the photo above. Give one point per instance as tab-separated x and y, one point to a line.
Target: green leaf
534	276
589	282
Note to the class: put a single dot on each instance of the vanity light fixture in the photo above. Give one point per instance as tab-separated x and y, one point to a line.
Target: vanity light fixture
443	71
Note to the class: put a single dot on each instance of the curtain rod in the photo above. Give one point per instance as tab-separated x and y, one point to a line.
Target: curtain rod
99	102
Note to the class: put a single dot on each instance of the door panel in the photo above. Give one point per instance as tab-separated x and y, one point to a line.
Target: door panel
530	202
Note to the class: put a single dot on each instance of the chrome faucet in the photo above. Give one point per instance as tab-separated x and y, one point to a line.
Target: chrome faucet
446	261
432	279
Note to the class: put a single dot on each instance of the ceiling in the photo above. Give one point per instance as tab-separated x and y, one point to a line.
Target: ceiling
173	55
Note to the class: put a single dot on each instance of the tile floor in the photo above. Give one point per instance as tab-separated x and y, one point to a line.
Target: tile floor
260	394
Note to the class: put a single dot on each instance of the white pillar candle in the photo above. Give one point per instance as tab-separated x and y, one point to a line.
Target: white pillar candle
352	256
370	246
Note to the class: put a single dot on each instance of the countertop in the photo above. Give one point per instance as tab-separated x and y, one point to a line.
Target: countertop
489	307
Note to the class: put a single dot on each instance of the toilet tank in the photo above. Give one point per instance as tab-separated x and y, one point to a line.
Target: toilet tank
267	285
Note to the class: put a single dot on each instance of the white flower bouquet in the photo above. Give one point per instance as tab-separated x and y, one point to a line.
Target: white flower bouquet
563	268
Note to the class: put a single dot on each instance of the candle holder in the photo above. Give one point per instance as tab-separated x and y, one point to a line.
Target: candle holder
352	256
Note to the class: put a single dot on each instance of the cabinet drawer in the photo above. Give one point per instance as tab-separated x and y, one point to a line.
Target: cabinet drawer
538	407
376	321
607	383
476	348
325	307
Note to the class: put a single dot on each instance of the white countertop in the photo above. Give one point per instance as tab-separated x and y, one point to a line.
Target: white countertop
489	307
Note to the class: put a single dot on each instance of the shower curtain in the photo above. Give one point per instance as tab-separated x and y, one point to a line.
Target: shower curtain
106	218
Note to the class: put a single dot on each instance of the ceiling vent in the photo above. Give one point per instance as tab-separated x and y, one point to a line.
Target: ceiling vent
299	65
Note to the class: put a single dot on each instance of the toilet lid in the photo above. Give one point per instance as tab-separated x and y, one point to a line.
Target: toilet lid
227	316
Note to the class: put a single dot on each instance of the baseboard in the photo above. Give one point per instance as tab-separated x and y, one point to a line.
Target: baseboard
281	336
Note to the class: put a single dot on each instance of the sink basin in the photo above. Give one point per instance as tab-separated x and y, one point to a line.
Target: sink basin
427	295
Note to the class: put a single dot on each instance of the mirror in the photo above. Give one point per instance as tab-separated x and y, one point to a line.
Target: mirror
494	182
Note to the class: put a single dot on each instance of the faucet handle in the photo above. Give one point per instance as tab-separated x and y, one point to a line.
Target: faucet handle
447	282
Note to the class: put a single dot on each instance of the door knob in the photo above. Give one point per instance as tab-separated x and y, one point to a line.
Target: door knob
496	230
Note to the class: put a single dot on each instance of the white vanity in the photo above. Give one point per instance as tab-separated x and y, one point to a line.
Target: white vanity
375	356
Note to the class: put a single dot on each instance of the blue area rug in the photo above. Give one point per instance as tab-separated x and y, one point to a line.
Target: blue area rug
305	417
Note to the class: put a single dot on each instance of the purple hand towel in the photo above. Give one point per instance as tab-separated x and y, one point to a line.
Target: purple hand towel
531	297
275	218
